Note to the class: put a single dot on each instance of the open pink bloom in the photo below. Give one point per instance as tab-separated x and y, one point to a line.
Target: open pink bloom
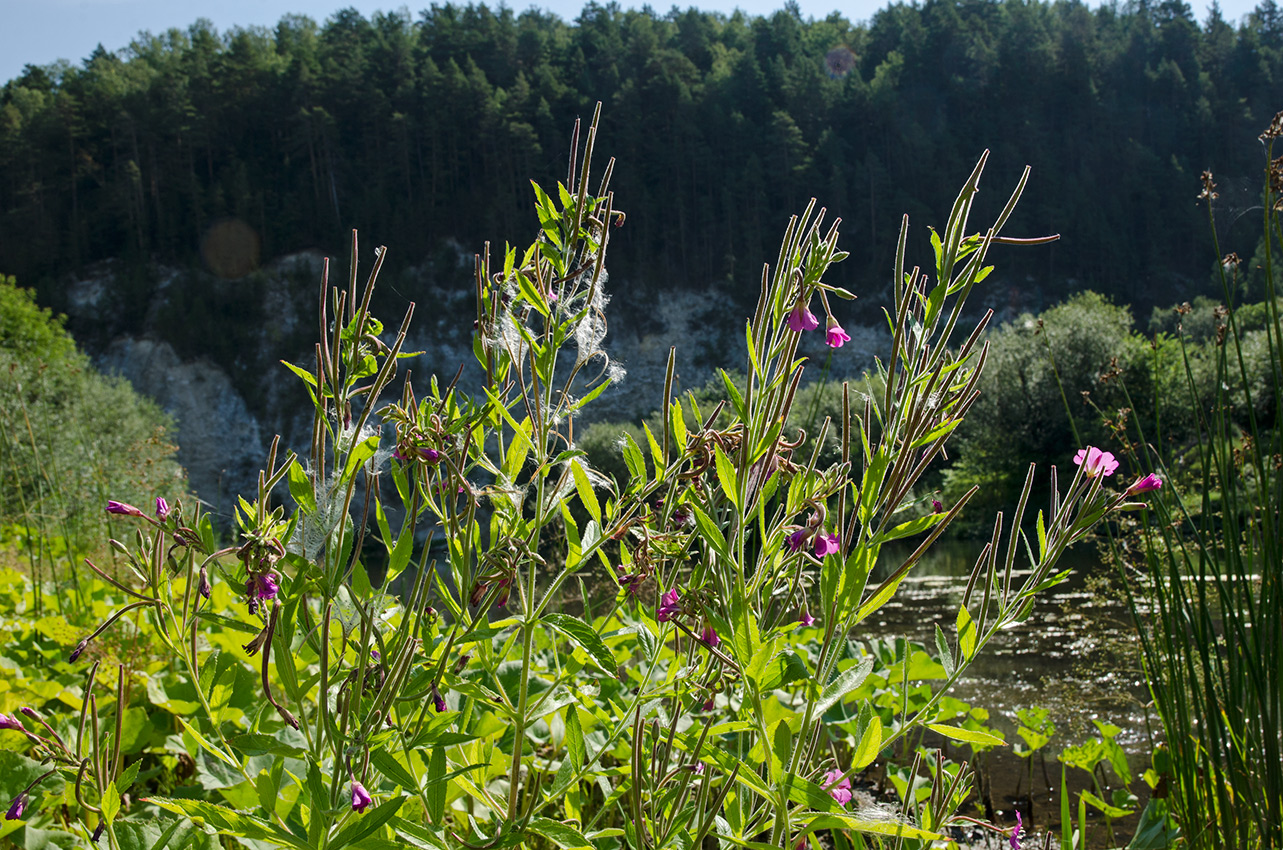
1144	485
361	798
802	319
1014	840
114	507
1096	462
838	786
835	337
807	619
825	544
668	606
709	636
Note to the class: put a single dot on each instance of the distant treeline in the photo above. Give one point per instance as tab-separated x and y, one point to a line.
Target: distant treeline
419	130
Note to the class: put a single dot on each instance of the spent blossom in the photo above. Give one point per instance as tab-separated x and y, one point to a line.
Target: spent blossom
1096	462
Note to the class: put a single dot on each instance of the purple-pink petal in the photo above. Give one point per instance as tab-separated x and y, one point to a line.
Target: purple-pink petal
838	786
709	636
1144	485
114	507
802	319
835	337
361	798
825	544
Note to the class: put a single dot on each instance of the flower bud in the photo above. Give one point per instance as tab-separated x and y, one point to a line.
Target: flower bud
162	509
17	807
114	507
361	798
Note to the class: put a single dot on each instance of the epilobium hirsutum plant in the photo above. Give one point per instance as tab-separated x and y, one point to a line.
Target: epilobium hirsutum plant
719	693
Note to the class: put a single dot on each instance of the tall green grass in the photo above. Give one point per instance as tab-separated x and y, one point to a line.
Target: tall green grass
1208	594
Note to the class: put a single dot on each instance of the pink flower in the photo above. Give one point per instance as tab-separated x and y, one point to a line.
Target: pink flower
668	606
438	701
802	319
709	636
162	509
838	786
260	587
1015	833
835	337
699	769
825	544
807	620
1144	485
114	507
361	798
1096	462
936	507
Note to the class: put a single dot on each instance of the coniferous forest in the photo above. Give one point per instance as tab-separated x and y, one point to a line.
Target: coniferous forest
428	128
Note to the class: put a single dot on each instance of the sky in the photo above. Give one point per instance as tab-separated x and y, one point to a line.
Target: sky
40	32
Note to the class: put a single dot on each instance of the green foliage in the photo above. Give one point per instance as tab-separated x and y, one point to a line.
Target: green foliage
70	439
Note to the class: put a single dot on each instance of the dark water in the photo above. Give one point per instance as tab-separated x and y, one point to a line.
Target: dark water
1075	656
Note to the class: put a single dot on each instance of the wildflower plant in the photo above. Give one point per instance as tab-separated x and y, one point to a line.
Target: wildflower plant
453	703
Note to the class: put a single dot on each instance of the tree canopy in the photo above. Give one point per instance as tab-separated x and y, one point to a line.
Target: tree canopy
420	130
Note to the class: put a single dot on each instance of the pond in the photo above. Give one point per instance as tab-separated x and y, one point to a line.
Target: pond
1076	656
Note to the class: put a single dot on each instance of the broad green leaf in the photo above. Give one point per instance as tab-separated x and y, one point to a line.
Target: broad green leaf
846	682
726	476
1106	809
888	828
301	488
575	754
438	786
584	635
366	823
360	453
206	745
110	802
967	736
560	834
870	744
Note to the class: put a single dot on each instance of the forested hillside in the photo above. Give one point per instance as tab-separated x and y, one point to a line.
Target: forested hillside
418	130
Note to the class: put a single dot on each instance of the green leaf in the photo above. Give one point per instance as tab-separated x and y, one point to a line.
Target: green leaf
583	634
733	393
575	754
586	495
229	821
364	824
566	837
967	736
726	476
946	654
301	488
888	828
360	453
1109	811
870	744
387	764
128	776
633	458
110	802
257	744
438	786
710	533
846	682
206	745
966	634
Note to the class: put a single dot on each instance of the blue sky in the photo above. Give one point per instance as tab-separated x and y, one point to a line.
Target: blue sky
40	32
